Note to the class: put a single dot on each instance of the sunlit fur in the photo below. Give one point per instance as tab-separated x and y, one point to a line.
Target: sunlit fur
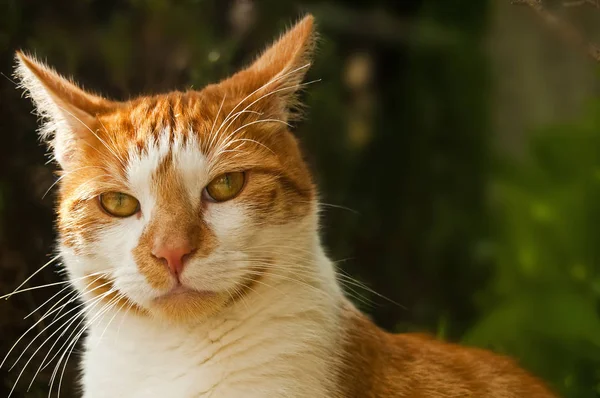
259	312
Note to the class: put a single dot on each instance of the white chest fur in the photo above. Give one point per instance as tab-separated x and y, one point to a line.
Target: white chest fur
281	343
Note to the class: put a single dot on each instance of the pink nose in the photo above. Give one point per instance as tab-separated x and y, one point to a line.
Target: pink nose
173	254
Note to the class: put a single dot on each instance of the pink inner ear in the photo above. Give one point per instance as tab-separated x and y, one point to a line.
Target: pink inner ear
64	152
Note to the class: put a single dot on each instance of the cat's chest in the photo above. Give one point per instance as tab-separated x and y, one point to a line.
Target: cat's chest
147	366
223	362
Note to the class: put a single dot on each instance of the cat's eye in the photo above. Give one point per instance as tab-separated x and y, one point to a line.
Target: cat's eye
119	204
226	186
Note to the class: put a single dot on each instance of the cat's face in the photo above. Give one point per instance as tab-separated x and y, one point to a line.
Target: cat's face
178	204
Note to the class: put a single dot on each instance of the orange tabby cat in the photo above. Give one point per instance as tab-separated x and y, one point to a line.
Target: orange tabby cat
188	225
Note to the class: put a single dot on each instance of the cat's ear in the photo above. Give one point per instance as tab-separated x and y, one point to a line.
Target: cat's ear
68	112
278	72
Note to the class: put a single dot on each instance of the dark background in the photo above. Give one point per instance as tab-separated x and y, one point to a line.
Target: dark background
456	143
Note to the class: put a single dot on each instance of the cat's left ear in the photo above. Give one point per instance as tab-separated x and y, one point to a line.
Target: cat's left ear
69	113
277	74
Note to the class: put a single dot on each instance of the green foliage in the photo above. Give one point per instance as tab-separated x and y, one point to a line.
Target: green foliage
542	303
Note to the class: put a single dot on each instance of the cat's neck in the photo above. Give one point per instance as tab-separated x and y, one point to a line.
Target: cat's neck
291	317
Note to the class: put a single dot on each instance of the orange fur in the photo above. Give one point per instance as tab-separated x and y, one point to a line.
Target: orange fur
279	189
379	364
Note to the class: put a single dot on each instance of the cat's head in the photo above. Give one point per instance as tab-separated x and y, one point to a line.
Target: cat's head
178	204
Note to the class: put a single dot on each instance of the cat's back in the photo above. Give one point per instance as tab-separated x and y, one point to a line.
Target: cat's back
379	364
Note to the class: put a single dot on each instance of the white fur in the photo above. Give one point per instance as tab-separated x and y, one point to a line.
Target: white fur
281	340
47	106
61	122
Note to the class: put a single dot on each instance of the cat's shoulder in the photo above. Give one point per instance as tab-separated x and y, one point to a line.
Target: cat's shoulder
381	364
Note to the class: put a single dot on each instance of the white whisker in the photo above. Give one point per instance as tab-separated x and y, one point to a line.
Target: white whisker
31	276
40	347
32	327
95	135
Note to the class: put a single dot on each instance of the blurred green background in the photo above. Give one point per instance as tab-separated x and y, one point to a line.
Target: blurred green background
456	143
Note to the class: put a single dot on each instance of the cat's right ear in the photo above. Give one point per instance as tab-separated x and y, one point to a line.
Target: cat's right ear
69	114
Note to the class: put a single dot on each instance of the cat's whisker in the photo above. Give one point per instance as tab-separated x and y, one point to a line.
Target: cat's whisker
293	87
116	300
295	271
253	280
38	322
42	366
131	304
47	327
320	204
72	346
66	326
287	248
63	349
289	270
211	136
71	342
347	279
353	293
94	133
40	347
356	295
49	300
212	147
244	140
82	225
7	296
45	362
235	151
268	83
272	92
90	304
226	141
31	276
28	289
237	292
302	282
66	361
111	138
234	117
228	291
65	174
59	307
84	290
84	184
348	284
260	248
71	299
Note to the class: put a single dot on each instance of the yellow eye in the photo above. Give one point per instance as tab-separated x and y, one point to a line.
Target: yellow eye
225	186
119	204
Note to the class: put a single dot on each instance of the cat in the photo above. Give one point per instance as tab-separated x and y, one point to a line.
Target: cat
188	225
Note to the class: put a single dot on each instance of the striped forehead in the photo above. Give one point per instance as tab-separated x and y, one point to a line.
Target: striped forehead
170	159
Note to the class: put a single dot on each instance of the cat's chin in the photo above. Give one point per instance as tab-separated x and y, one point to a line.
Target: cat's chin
181	292
182	304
